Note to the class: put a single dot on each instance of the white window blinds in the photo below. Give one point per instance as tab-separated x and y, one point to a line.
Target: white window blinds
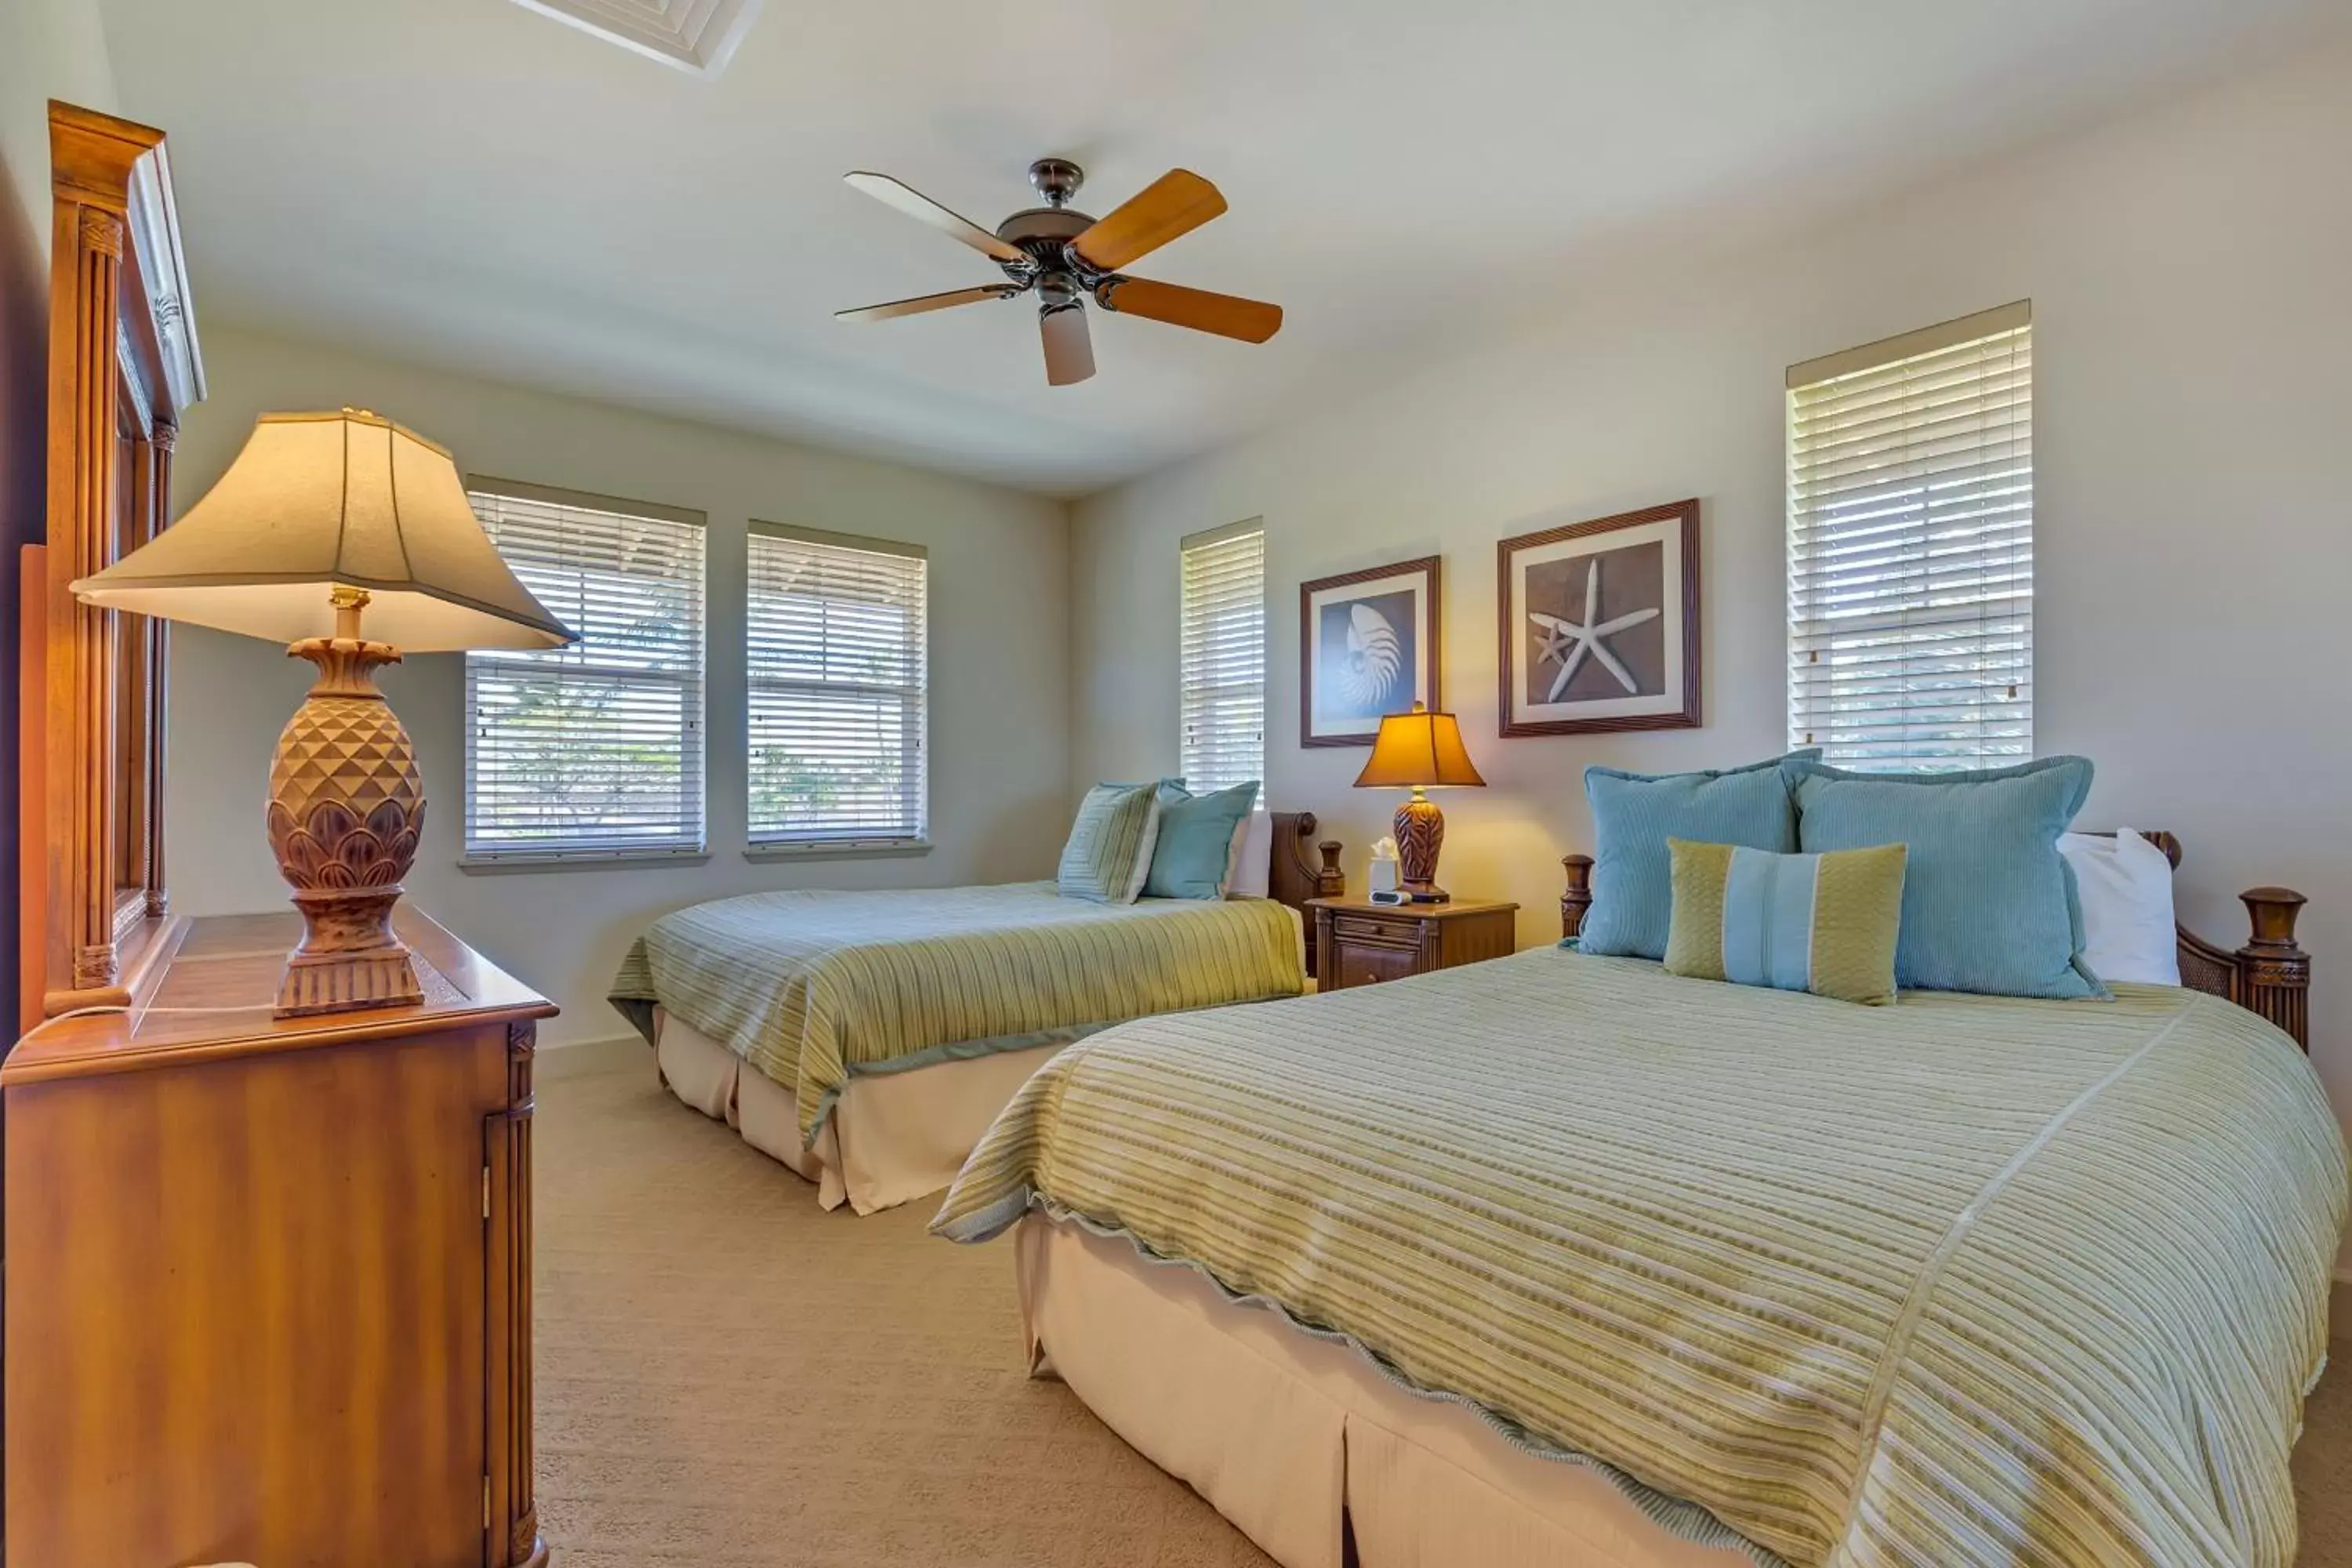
836	645
1223	658
595	749
1911	548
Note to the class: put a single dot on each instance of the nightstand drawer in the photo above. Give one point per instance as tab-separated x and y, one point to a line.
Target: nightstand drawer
1358	963
1377	931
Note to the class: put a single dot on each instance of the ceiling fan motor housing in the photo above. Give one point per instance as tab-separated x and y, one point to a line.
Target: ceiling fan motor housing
1043	234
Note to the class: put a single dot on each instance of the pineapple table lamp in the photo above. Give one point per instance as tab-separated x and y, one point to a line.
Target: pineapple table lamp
323	517
1417	751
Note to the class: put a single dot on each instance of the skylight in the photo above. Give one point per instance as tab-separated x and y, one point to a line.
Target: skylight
697	36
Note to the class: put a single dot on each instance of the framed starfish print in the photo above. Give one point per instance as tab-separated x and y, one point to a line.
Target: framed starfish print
1367	645
1600	624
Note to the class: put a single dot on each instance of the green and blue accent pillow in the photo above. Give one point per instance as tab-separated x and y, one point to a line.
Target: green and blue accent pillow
1200	836
1109	853
1826	923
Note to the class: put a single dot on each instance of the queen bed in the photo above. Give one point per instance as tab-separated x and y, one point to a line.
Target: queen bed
866	1040
1565	1259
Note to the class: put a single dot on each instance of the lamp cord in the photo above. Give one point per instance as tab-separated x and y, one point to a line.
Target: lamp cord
118	1008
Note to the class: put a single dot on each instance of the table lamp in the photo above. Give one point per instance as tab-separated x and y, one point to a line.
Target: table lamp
1419	750
322	517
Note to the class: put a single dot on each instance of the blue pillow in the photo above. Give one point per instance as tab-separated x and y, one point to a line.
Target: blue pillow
1988	904
1195	849
1633	815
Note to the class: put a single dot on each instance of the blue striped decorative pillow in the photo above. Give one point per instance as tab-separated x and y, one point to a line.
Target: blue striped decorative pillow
1988	904
1825	924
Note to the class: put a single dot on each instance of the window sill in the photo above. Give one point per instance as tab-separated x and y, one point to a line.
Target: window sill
818	849
578	860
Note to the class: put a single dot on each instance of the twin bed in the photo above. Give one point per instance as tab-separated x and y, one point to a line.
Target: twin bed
866	1041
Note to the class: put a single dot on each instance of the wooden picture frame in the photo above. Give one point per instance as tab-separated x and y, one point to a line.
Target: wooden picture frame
1401	665
1546	579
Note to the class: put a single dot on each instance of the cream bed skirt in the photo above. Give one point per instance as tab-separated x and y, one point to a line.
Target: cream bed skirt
892	1137
1285	1433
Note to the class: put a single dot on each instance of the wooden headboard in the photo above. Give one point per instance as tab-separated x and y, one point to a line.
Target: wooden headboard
123	367
1294	877
2270	975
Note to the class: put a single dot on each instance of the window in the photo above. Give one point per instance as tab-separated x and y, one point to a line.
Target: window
1223	658
595	749
836	645
1911	548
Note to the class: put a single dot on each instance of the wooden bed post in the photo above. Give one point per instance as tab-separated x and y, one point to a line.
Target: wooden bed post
1578	898
1293	879
2274	972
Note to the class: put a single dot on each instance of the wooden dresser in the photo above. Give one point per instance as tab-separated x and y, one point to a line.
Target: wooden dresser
267	1285
1363	943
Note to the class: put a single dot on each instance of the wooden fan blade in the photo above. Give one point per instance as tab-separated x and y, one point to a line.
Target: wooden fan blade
922	302
1175	204
921	208
1070	350
1228	316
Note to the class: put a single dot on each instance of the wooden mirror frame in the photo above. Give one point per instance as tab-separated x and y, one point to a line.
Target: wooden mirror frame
123	368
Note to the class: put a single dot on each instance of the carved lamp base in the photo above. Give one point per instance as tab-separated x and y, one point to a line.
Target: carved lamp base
346	805
1420	834
348	956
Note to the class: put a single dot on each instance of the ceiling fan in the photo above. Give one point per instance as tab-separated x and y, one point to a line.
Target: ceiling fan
1064	255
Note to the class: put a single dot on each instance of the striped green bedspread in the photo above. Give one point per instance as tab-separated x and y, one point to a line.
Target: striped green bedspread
1962	1281
815	987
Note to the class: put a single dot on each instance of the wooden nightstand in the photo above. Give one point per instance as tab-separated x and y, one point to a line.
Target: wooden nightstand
1363	944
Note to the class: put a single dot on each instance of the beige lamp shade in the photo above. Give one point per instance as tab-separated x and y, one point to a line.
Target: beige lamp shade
1418	749
320	500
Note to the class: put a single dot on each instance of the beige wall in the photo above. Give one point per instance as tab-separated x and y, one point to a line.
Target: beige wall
2190	269
1000	750
49	49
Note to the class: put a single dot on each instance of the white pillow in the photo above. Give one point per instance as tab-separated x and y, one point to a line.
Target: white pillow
2126	890
1252	874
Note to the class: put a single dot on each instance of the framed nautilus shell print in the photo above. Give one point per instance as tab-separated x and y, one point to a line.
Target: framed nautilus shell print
1600	625
1367	645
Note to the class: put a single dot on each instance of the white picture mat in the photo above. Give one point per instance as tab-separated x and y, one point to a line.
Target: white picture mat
1414	582
1667	534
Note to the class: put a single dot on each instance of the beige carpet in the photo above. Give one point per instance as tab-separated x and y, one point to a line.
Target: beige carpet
729	1377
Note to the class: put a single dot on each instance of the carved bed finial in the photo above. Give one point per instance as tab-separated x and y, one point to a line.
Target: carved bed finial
2274	971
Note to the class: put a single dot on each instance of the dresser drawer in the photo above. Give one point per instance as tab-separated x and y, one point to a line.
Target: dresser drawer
1362	963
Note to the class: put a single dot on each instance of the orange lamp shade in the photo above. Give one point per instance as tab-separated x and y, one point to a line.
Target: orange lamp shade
1418	749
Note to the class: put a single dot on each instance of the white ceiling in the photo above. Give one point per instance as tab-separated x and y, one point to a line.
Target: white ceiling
473	184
